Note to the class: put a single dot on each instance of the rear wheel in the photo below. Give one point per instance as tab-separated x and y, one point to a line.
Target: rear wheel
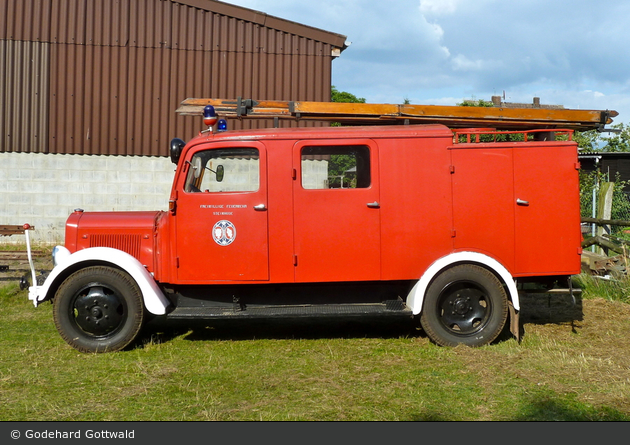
466	304
98	309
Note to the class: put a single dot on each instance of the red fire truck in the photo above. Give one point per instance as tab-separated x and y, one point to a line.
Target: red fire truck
414	221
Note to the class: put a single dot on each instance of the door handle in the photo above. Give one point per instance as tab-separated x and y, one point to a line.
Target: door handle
260	207
373	205
522	202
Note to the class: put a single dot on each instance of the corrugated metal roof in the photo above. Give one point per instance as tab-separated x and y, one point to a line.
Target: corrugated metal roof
268	21
183	24
118	69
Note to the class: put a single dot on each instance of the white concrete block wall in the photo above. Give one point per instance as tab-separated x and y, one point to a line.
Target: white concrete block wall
43	189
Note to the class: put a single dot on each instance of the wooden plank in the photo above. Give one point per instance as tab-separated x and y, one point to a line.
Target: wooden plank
361	113
607	222
13	230
18	254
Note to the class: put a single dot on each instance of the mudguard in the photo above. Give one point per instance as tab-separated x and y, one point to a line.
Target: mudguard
154	299
415	299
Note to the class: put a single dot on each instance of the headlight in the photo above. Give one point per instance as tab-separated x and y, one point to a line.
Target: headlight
59	254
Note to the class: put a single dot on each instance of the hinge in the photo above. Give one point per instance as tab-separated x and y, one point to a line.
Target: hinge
577	166
177	262
452	169
295	260
294	174
453	233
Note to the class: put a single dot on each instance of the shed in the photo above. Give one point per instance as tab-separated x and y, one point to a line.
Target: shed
106	76
612	164
89	89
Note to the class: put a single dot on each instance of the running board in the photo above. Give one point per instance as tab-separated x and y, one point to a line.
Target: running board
387	308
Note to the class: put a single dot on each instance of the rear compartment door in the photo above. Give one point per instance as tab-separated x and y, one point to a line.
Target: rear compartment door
483	200
336	211
221	214
547	217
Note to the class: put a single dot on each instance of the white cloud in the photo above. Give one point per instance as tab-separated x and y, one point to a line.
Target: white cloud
438	7
463	63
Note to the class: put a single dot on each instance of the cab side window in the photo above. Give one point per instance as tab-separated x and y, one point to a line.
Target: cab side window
224	170
335	167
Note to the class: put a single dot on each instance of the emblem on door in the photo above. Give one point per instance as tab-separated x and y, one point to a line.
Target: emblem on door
224	233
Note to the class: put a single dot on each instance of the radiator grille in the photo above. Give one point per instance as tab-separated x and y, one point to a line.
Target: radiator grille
126	243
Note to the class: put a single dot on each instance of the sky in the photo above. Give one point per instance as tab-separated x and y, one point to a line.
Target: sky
440	52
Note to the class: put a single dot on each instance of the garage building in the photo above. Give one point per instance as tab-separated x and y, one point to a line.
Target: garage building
89	89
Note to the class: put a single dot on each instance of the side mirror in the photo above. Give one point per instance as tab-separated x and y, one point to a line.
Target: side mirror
220	172
177	146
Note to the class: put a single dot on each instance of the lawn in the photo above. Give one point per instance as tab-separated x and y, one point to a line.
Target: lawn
567	370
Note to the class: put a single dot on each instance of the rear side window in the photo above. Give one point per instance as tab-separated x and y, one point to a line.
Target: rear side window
335	167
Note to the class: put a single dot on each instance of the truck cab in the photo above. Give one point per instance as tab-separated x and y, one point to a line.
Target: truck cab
409	221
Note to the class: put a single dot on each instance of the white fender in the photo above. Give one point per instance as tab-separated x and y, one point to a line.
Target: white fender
154	299
416	296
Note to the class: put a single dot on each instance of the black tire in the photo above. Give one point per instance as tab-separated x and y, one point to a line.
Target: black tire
98	309
466	304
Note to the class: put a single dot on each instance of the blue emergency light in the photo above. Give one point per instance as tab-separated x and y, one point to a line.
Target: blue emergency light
222	125
209	116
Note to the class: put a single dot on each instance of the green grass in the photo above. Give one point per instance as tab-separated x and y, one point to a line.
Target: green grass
615	289
307	372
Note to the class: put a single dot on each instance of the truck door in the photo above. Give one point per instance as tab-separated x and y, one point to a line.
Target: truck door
221	214
483	200
336	211
547	218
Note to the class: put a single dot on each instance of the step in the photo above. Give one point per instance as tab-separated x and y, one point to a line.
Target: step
387	308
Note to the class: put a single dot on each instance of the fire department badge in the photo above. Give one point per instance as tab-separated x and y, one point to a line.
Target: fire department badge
224	233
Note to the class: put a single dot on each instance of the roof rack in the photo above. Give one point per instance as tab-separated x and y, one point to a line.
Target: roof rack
499	118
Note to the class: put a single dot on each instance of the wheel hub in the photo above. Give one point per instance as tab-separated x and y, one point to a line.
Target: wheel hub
463	309
98	311
461	306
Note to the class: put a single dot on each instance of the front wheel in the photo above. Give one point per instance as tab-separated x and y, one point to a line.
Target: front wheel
98	309
466	304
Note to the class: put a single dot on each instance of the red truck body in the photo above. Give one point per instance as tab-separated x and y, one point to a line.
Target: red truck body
434	197
258	208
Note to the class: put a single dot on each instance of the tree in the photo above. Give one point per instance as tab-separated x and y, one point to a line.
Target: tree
475	103
593	140
588	140
343	96
619	141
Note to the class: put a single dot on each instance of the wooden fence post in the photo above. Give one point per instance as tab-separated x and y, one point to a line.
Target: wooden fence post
604	208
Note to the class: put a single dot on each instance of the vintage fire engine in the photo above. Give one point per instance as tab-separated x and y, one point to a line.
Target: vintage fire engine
418	221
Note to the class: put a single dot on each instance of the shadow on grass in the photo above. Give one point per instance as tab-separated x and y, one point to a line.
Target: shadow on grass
546	308
545	408
535	308
297	328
